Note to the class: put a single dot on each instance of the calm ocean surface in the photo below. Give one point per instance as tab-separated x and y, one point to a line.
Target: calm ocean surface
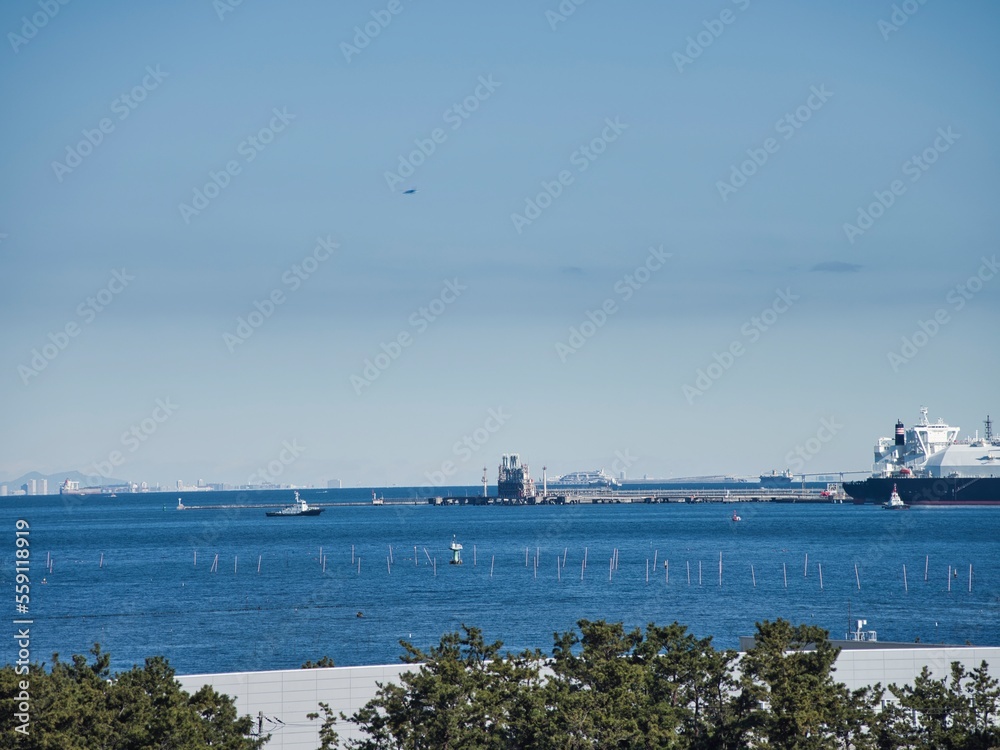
150	598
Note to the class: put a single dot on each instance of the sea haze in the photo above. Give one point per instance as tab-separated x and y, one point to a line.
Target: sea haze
150	598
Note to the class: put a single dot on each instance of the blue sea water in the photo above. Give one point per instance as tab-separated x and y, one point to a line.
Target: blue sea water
151	598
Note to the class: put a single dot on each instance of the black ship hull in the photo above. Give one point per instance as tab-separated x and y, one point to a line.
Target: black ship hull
926	491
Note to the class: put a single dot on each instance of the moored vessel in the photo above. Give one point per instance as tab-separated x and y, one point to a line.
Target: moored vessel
928	465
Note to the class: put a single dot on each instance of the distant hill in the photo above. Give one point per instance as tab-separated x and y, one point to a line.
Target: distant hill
55	480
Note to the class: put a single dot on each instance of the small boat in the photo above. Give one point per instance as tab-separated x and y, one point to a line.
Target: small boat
300	508
895	502
736	517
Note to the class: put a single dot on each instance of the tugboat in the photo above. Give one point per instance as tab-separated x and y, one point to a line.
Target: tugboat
895	502
300	508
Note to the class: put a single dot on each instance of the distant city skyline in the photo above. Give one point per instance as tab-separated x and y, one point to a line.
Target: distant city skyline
388	245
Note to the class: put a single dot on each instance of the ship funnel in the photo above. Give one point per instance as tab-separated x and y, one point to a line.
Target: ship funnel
900	433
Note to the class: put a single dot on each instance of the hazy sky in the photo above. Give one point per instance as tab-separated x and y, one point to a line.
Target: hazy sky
687	186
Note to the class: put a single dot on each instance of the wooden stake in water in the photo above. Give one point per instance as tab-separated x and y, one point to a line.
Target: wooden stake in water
492	560
784	573
261	557
416	560
585	557
583	567
388	566
101	563
359	565
473	555
526	557
753	576
647	570
699	572
428	555
236	560
196	558
720	568
558	571
906	588
820	566
666	568
805	567
857	577
565	552
324	562
927	562
970	578
352	554
689	572
390	555
655	553
949	578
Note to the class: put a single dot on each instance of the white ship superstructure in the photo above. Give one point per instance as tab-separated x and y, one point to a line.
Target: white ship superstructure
598	478
912	448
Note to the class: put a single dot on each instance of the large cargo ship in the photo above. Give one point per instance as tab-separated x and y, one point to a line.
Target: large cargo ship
929	465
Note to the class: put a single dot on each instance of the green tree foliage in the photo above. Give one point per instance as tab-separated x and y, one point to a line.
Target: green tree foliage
324	661
81	706
957	712
605	687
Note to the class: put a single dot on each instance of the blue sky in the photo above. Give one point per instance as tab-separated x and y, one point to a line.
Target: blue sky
817	108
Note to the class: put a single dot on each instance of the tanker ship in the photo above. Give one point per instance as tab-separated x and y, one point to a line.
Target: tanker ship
929	465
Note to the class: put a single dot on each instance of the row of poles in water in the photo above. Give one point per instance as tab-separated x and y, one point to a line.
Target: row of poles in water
613	565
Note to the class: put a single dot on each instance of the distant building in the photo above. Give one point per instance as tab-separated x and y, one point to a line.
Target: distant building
31	488
3	490
43	486
334	484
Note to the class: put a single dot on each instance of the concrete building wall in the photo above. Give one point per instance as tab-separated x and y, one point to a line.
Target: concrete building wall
285	697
